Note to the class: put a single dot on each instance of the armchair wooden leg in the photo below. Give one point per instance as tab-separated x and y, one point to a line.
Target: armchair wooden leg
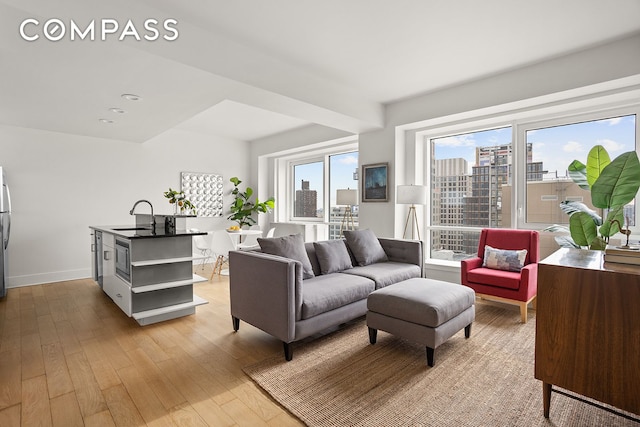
236	323
523	312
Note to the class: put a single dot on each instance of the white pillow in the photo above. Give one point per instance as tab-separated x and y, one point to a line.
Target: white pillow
504	259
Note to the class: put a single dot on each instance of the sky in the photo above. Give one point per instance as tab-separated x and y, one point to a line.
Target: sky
556	147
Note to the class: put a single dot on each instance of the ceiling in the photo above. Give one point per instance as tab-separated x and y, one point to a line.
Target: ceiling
248	69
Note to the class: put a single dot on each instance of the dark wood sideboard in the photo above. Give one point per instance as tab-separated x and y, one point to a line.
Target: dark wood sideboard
588	328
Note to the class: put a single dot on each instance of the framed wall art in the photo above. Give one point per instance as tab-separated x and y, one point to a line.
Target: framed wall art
375	182
204	190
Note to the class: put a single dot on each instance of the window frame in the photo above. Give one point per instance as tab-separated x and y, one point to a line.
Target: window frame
291	193
520	122
322	155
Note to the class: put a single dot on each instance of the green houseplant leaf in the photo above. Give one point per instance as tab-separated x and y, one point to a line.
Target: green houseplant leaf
612	184
618	183
611	225
583	229
570	207
578	173
243	209
597	160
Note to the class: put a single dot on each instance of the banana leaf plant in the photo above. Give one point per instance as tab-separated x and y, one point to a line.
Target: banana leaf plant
612	184
243	208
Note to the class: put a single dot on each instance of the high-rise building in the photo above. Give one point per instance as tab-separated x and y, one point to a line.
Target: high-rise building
490	178
473	200
453	184
306	204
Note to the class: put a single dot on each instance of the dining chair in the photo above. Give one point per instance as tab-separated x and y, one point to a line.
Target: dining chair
271	232
221	244
203	246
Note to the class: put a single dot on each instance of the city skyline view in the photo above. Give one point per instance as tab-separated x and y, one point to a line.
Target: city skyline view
341	170
556	147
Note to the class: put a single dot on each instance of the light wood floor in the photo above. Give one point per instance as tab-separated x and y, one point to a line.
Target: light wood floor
70	357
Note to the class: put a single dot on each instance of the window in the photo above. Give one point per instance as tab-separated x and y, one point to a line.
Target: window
308	190
470	177
555	147
315	181
513	175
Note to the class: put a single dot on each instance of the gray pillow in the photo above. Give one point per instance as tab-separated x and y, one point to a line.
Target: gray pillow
291	247
365	246
333	256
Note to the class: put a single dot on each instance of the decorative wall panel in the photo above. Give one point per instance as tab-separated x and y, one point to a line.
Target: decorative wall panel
204	190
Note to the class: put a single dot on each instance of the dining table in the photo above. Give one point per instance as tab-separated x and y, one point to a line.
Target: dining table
238	235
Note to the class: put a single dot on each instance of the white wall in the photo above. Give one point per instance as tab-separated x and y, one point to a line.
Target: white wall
61	184
603	63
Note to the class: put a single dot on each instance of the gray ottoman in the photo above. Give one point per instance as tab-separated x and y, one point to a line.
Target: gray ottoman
422	310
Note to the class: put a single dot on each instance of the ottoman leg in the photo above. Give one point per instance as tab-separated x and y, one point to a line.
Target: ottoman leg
373	334
430	356
467	331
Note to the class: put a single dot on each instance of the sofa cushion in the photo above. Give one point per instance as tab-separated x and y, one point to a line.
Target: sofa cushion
491	277
291	247
333	256
365	246
504	259
330	291
386	273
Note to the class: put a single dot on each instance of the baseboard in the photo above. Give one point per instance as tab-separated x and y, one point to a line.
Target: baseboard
50	277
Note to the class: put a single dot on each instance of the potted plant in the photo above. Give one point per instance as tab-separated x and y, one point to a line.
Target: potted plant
612	184
180	202
243	209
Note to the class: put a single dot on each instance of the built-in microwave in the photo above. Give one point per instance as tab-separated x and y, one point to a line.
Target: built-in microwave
123	260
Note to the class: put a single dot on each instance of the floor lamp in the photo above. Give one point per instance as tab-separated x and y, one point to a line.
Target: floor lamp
411	195
347	198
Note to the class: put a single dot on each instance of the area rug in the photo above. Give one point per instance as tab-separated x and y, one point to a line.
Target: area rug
339	379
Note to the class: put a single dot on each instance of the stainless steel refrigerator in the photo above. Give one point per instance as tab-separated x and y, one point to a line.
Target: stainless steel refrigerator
5	230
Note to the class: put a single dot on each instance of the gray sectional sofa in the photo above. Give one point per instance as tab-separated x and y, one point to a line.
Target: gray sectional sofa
315	286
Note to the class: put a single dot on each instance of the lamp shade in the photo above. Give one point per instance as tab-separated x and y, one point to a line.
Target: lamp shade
411	194
347	197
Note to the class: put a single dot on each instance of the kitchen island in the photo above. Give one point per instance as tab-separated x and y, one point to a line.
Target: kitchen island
147	272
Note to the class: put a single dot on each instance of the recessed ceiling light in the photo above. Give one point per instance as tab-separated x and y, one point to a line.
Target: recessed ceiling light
117	110
131	97
107	121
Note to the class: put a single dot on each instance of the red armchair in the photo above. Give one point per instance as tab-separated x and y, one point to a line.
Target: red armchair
512	287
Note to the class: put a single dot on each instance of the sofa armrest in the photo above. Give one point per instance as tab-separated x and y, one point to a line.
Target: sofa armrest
265	291
409	251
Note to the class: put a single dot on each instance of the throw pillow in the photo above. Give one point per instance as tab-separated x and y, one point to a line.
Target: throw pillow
333	256
291	247
504	259
365	247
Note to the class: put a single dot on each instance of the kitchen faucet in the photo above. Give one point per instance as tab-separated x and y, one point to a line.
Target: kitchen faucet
153	218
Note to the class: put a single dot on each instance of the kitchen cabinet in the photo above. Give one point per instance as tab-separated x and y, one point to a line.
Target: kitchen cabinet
150	277
108	260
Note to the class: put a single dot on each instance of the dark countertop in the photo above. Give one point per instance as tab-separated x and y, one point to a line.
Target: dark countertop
133	232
